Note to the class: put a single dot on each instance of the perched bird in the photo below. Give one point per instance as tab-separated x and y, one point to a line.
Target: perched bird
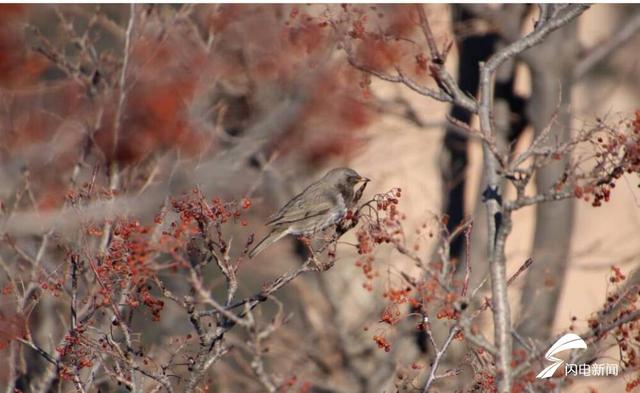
320	205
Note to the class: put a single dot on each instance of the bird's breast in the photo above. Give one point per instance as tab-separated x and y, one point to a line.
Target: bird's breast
339	211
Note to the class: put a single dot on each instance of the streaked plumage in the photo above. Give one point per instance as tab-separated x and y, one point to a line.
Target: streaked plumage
320	205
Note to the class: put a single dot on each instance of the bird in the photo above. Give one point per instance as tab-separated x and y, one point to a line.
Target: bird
320	205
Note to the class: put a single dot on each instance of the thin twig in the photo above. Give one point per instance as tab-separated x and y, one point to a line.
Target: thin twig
521	270
123	78
439	353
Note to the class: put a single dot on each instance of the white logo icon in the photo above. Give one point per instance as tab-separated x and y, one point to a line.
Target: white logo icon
568	341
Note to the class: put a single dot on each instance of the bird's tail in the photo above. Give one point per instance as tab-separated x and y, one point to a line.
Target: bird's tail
268	240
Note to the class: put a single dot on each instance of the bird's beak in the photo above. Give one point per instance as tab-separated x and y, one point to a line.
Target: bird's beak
364	179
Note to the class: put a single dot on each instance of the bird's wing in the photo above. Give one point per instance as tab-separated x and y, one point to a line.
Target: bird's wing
293	202
309	203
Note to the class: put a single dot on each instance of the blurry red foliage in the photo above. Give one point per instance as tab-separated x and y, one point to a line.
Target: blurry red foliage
12	326
307	36
175	85
384	39
332	125
225	15
18	65
163	76
326	127
401	21
377	53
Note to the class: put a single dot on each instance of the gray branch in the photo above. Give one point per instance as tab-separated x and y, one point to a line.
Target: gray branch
499	218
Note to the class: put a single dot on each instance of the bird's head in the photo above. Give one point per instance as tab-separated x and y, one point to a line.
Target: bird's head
344	177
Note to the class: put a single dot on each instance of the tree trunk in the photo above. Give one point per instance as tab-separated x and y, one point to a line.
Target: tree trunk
509	118
551	78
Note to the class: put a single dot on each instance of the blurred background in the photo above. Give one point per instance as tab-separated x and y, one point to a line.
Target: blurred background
118	114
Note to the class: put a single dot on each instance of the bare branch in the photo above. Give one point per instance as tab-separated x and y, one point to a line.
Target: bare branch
402	79
439	353
428	34
498	219
535	37
123	77
522	268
